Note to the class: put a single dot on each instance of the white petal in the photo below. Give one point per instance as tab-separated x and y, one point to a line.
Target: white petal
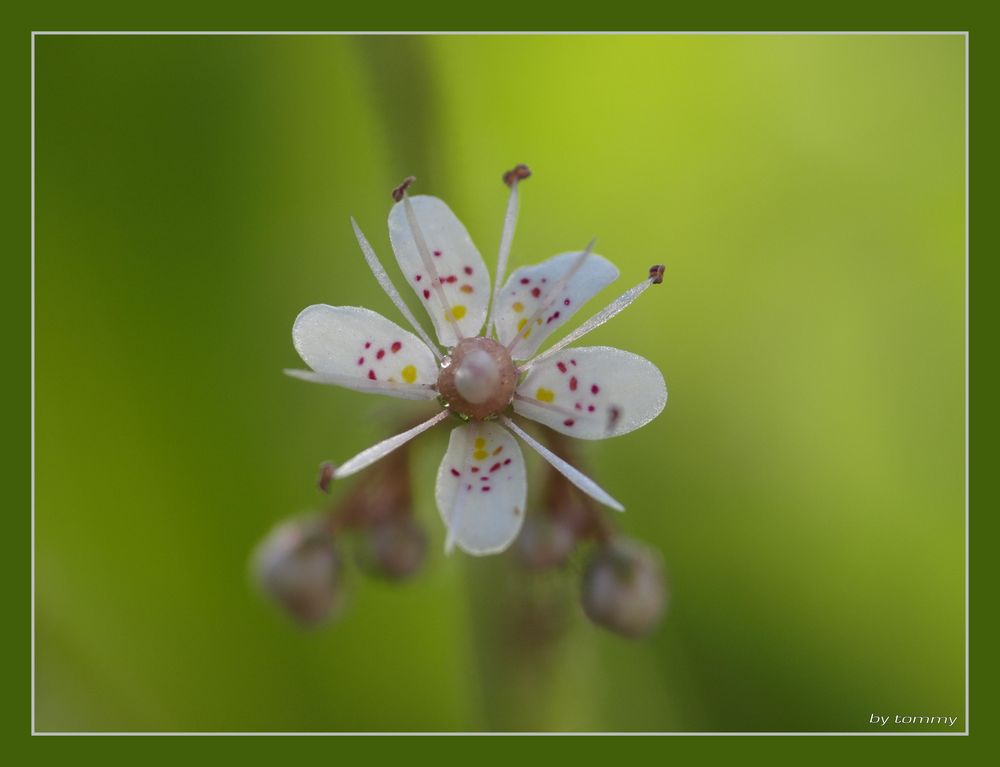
450	278
573	474
367	457
481	488
534	288
592	392
356	347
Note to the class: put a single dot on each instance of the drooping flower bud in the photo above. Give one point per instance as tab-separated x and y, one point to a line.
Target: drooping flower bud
544	542
297	567
624	588
394	549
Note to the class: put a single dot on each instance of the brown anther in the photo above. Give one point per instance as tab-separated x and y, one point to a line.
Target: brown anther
517	173
326	476
399	191
656	273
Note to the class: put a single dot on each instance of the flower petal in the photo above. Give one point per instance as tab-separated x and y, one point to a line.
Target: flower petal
481	488
592	392
360	349
542	287
450	279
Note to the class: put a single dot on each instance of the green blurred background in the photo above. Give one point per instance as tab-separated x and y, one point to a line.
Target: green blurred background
804	484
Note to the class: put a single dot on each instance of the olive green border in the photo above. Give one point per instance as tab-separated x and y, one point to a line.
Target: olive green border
508	16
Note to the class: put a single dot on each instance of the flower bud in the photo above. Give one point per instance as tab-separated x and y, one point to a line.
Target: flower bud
624	588
544	543
394	549
297	567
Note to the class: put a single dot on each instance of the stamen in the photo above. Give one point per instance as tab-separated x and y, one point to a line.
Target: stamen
577	477
551	296
518	173
615	307
511	179
397	388
326	471
390	290
568	412
366	458
425	253
400	191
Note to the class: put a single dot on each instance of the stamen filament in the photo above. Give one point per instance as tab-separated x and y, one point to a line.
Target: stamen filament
551	296
506	239
425	256
612	309
574	475
366	458
399	388
390	290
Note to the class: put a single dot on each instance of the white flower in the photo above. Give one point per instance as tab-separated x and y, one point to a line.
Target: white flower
491	364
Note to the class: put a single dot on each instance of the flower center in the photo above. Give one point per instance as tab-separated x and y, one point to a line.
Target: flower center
477	376
478	380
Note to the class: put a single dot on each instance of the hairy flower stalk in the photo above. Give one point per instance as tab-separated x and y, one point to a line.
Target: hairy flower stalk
490	370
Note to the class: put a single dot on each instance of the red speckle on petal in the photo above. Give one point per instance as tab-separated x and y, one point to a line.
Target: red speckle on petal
594	389
578	406
568	422
380	354
495	467
573	363
361	360
450	278
456	473
485	488
525	280
572	383
419	277
536	292
566	302
371	375
590	408
475	469
561	366
468	270
427	293
396	346
437	253
368	344
507	462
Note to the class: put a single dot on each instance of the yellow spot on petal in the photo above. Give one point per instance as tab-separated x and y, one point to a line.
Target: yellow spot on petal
520	326
456	312
518	307
466	288
480	454
544	395
480	443
409	374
